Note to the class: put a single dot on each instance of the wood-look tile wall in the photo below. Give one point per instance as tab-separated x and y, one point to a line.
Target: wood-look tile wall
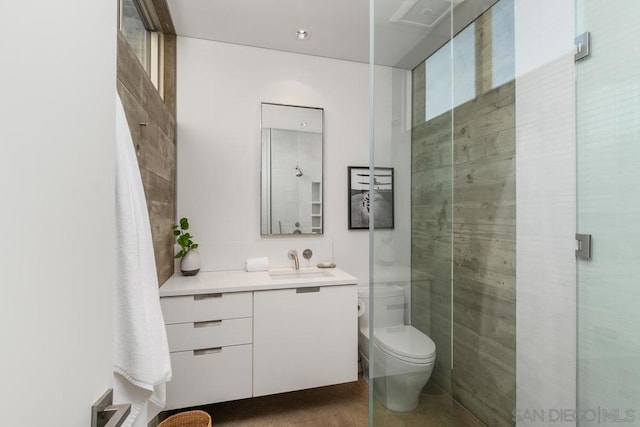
431	204
155	143
484	253
463	238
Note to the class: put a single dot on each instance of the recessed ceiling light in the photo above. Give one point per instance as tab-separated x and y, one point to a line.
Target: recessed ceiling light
303	124
302	35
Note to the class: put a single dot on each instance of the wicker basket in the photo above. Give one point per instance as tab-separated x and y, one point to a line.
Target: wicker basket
188	419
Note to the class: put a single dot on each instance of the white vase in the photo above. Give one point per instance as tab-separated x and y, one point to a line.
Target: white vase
190	263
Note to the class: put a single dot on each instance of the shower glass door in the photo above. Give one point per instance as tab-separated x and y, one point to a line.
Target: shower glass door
608	208
411	132
443	116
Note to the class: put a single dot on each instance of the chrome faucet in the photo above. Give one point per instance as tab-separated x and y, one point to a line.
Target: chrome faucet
294	256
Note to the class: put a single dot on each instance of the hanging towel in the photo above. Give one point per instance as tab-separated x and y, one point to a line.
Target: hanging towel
141	348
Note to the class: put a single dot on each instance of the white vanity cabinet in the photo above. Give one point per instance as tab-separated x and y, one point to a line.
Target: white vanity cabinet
234	334
304	337
210	339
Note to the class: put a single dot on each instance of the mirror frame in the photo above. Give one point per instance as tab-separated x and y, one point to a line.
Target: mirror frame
263	178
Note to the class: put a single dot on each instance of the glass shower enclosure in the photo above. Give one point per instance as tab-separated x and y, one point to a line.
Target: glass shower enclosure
510	126
608	208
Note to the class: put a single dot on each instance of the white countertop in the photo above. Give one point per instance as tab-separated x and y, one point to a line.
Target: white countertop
207	282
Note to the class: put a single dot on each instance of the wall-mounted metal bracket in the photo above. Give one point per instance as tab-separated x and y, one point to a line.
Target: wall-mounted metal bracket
583	46
105	414
584	246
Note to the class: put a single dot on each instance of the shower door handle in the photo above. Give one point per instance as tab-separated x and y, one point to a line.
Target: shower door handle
584	246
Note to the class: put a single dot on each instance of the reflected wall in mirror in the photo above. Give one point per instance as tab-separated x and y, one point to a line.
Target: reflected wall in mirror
291	190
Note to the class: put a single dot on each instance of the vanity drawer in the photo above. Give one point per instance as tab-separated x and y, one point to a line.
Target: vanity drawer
218	333
203	377
198	308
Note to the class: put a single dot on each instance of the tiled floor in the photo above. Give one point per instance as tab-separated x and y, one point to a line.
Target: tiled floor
436	409
344	405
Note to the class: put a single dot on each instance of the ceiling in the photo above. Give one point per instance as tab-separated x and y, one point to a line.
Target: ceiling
338	28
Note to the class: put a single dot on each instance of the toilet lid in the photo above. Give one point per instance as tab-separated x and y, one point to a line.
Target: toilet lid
405	341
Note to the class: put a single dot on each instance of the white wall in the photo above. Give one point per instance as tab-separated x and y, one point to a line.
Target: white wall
546	206
220	88
57	186
392	124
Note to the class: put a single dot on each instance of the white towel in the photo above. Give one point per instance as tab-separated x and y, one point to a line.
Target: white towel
141	348
257	264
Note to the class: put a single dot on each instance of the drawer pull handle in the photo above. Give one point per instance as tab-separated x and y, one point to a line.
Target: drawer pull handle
307	290
207	324
206	351
206	296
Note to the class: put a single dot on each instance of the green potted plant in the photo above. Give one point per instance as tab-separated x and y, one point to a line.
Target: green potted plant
190	257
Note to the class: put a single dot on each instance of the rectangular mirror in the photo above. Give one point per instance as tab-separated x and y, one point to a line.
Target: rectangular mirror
291	189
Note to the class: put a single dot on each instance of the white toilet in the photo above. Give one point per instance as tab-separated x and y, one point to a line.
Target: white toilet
403	357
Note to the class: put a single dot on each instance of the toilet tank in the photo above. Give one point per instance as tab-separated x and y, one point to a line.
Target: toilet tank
388	307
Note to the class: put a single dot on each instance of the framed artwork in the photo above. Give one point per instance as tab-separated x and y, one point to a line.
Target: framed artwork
362	203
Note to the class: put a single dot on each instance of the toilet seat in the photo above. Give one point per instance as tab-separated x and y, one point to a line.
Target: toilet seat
405	343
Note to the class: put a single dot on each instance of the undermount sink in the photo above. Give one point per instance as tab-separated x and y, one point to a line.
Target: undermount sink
303	273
